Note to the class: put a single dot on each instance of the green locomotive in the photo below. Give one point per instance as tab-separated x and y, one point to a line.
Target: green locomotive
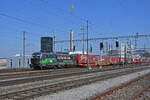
41	60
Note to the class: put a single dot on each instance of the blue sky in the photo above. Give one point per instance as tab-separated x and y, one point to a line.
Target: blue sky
106	18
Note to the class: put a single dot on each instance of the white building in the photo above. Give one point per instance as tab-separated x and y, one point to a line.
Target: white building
2	63
17	61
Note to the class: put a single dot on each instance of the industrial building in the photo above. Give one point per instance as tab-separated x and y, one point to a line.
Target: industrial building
46	44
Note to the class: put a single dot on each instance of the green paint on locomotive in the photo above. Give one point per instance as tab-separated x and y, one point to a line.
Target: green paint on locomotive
48	60
55	61
41	60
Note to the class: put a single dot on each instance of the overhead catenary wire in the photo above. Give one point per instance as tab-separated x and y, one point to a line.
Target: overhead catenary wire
18	19
106	38
51	11
65	11
70	13
73	15
37	24
26	22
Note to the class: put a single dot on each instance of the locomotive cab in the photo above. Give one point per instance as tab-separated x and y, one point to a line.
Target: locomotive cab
35	60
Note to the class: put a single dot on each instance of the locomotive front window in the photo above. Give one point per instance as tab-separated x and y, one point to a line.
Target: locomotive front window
36	55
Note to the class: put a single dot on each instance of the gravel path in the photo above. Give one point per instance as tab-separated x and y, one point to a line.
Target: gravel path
128	93
89	91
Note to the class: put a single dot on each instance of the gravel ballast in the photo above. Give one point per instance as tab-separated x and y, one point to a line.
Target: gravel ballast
92	90
35	84
130	91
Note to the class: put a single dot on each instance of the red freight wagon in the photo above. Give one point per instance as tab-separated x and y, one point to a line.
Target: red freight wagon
119	60
142	60
93	60
138	60
113	60
105	61
135	60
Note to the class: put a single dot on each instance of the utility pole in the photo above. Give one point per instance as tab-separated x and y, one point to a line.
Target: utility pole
107	47
125	55
130	49
24	39
71	42
83	38
136	37
54	39
87	45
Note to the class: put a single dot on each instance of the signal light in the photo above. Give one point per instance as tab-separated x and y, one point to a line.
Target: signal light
117	44
74	48
101	45
91	49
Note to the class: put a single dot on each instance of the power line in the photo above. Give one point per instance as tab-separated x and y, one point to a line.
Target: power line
106	38
18	19
25	21
54	13
28	22
50	11
65	11
80	18
68	12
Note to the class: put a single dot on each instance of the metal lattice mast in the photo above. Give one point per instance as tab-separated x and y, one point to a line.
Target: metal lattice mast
24	39
87	44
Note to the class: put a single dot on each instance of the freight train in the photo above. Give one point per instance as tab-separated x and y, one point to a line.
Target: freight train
41	60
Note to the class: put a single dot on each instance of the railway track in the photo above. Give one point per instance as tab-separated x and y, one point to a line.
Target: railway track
6	80
136	89
58	84
41	72
31	72
12	70
144	94
24	71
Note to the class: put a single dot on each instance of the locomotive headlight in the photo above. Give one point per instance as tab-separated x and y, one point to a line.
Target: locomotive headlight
50	61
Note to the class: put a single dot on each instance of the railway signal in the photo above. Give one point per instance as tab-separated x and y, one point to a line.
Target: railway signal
101	45
74	48
117	43
91	49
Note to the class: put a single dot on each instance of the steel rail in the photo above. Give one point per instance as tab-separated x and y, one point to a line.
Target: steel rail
67	84
6	81
141	92
102	95
36	72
